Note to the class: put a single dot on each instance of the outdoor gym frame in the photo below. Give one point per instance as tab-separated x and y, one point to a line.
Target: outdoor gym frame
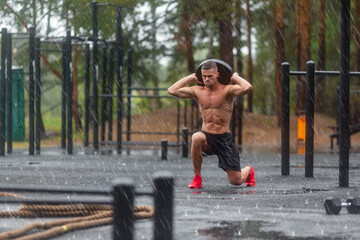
123	195
343	102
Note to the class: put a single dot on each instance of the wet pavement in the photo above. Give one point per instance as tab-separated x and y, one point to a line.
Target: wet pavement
278	207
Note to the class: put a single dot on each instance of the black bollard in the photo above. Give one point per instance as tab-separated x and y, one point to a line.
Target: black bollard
9	94
87	93
185	142
123	194
164	195
164	149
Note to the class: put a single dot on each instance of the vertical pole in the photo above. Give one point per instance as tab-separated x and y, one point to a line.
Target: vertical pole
87	91
285	119
103	90
185	112
185	142
233	120
63	96
164	149
31	89
240	110
344	131
69	92
3	90
192	115
124	194
178	126
9	94
119	80
164	198
111	90
128	122
309	139
37	95
95	77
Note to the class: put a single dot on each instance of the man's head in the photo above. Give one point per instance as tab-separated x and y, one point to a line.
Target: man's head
209	72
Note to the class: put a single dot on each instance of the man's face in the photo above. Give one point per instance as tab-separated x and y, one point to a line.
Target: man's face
209	76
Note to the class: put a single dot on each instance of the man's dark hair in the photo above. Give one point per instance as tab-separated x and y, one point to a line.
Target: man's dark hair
209	65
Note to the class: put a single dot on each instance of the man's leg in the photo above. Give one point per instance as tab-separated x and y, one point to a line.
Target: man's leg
237	177
198	145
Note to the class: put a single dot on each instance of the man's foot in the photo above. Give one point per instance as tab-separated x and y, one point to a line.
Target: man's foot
250	181
196	183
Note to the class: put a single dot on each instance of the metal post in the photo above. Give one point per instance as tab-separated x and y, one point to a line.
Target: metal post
233	120
119	80
87	91
9	94
128	122
285	119
178	126
124	195
192	115
3	89
185	142
95	78
111	90
164	149
240	110
344	131
37	95
63	96
69	92
103	90
31	89
185	112
164	198
309	139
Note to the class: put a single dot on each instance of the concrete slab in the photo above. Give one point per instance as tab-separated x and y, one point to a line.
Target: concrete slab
278	207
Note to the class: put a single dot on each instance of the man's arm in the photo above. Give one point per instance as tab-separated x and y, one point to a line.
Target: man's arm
241	86
179	89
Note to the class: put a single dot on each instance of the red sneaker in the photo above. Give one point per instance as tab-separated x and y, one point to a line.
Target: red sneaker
196	183
250	181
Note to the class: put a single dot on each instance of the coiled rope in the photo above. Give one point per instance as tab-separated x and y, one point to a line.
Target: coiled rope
92	215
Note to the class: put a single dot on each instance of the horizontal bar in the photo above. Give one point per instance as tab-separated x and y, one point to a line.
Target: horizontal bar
54	189
170	144
55	201
326	73
144	193
106	95
144	88
152	133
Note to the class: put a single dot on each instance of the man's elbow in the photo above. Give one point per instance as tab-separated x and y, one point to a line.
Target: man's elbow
170	91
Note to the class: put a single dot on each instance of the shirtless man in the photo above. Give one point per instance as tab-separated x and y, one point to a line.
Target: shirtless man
216	106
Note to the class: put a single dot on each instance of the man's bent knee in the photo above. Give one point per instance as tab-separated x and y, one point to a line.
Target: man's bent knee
198	138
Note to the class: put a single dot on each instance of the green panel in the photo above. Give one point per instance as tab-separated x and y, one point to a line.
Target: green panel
18	108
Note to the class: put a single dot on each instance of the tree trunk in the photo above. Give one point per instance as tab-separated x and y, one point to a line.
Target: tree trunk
249	57
304	29
226	38
279	53
75	104
156	103
320	83
185	36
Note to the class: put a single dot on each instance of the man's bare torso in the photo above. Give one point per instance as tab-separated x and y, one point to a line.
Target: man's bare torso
216	108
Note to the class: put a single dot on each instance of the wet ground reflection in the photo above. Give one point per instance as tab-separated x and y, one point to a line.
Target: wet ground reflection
245	229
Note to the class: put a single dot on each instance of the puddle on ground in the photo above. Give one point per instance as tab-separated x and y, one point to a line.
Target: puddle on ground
246	229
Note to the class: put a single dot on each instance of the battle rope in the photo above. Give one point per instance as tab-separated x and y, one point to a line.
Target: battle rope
92	215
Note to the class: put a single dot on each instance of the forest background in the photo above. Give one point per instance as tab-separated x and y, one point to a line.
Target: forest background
169	39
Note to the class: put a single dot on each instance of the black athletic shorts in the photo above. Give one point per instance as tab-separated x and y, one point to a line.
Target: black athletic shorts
224	147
